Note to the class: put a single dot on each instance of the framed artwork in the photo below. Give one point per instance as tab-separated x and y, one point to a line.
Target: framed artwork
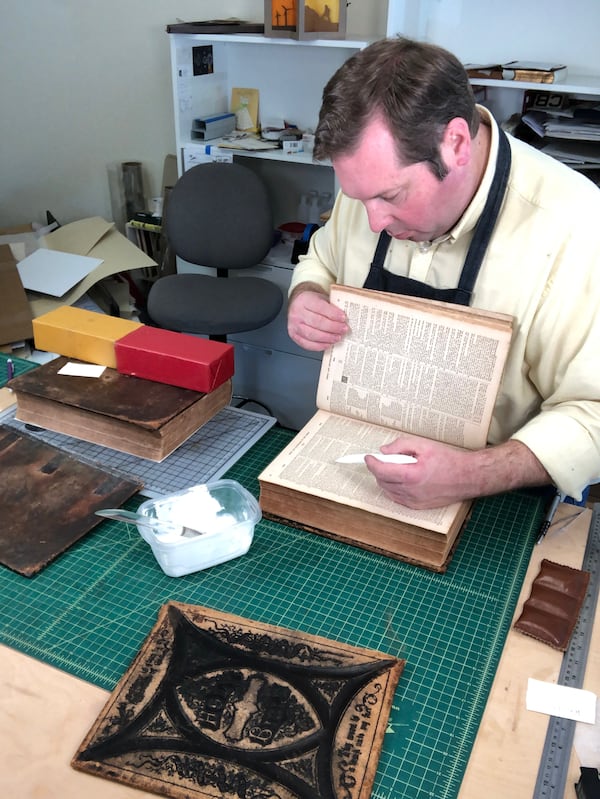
306	19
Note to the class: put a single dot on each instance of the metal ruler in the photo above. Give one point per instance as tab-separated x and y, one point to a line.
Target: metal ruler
552	774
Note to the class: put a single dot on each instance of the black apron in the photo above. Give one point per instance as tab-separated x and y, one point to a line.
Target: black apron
381	279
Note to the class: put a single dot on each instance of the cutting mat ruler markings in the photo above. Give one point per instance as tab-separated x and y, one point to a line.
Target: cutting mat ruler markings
554	766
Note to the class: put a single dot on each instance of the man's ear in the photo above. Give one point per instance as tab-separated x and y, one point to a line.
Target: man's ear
456	142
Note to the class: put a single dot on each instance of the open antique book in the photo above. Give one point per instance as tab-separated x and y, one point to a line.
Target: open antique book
428	368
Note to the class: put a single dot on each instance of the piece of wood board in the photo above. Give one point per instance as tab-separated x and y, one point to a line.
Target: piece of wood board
215	705
48	501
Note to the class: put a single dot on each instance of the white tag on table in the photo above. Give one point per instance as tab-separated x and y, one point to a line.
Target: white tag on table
561	701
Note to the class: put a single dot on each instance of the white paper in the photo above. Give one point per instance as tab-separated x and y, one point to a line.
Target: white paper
561	701
81	369
587	742
54	272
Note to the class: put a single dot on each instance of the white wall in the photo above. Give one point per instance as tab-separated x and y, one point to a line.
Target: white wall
82	85
482	31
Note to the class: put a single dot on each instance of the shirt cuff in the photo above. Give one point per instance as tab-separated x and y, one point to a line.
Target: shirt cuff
564	448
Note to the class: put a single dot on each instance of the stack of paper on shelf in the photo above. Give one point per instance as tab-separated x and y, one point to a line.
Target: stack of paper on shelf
574	153
570	131
408	365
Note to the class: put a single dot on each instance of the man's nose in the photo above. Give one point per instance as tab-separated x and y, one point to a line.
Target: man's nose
379	218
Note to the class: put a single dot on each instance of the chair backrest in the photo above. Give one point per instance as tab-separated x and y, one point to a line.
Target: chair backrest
219	215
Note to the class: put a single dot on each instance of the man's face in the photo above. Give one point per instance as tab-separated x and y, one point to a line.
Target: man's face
407	201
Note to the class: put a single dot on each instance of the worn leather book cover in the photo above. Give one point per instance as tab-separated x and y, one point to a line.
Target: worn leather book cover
126	413
215	705
48	500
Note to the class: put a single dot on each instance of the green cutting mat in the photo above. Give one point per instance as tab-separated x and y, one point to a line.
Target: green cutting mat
89	612
20	365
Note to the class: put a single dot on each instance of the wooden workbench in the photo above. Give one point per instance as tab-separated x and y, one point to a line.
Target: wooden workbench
45	713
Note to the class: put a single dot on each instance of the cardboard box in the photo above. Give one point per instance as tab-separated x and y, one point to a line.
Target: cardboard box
96	238
178	359
15	319
84	335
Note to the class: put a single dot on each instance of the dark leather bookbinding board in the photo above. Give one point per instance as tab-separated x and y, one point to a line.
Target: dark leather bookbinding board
552	609
48	500
215	705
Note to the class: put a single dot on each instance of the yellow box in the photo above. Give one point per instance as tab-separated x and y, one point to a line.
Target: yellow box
84	335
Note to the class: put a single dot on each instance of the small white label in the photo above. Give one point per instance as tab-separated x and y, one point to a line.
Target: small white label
81	369
292	147
561	701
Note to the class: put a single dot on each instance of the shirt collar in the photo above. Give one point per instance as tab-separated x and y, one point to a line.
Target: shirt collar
475	208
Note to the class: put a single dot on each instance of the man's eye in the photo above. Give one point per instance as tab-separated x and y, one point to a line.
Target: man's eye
399	196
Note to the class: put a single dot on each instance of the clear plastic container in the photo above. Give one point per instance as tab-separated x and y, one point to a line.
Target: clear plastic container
219	520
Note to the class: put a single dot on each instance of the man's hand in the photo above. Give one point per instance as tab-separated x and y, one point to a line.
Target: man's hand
313	322
443	474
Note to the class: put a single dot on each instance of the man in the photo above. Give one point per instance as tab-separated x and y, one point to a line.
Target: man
437	201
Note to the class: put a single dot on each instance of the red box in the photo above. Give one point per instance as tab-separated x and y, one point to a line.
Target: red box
178	359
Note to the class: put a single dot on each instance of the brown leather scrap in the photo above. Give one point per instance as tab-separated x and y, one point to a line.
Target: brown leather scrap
556	597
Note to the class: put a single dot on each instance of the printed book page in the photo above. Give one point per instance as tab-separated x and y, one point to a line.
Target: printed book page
418	366
308	464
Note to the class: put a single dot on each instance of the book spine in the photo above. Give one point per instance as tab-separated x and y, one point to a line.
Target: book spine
486	74
145	225
529	75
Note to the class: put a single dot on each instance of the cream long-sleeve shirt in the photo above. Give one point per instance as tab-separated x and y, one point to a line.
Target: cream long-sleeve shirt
543	267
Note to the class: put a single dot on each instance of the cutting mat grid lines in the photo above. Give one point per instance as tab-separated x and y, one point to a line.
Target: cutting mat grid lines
89	612
206	455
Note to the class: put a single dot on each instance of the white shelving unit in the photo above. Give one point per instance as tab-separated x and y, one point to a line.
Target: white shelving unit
505	97
290	76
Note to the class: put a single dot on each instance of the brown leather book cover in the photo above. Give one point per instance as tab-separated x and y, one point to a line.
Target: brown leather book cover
216	705
114	395
130	414
48	501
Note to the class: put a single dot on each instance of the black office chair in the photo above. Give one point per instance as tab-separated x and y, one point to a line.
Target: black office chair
218	216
